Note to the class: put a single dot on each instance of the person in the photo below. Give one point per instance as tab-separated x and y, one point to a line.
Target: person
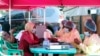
91	43
55	27
28	38
7	33
68	33
48	32
61	31
20	30
48	37
18	36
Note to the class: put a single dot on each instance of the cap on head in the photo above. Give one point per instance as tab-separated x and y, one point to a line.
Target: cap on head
90	25
70	24
64	23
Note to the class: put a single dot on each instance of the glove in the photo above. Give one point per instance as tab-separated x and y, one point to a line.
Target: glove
77	41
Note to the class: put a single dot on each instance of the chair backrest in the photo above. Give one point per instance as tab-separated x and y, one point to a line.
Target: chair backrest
40	30
82	36
11	45
8	51
15	52
2	47
1	42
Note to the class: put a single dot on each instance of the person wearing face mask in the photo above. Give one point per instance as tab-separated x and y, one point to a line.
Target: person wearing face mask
91	43
70	33
28	38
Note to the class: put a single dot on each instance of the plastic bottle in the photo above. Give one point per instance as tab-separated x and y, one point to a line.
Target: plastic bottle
46	43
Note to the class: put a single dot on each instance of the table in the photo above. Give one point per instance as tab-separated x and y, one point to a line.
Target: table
69	52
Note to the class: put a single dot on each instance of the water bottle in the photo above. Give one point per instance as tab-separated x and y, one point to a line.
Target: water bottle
46	43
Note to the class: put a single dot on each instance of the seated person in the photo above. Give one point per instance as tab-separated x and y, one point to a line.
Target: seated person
91	43
48	33
28	38
7	33
69	33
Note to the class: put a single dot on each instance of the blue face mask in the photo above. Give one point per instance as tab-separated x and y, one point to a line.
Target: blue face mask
87	34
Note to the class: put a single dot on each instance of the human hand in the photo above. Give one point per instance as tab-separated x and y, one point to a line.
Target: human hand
60	40
12	30
77	41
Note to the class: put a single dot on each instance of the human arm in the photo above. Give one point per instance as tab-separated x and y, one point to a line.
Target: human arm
30	38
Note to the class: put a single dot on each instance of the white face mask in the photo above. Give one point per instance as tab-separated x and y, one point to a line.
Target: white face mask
66	30
86	33
34	30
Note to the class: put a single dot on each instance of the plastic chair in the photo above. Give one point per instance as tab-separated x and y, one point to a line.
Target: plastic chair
14	52
8	51
1	42
15	34
11	45
82	36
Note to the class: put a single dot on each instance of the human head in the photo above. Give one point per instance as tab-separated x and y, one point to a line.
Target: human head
70	25
5	35
63	23
90	26
30	26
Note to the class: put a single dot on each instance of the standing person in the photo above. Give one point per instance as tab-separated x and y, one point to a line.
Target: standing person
91	43
28	38
7	33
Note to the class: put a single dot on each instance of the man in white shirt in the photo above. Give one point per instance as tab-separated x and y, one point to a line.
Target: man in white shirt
18	36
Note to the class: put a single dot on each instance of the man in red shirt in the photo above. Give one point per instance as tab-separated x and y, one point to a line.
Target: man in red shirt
28	38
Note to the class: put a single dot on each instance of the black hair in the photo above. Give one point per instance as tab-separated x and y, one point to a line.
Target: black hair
6	26
50	28
64	23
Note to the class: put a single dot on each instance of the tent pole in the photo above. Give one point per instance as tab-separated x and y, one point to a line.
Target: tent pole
29	18
10	13
44	16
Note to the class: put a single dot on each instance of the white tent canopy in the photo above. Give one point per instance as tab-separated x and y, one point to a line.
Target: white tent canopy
51	14
77	11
